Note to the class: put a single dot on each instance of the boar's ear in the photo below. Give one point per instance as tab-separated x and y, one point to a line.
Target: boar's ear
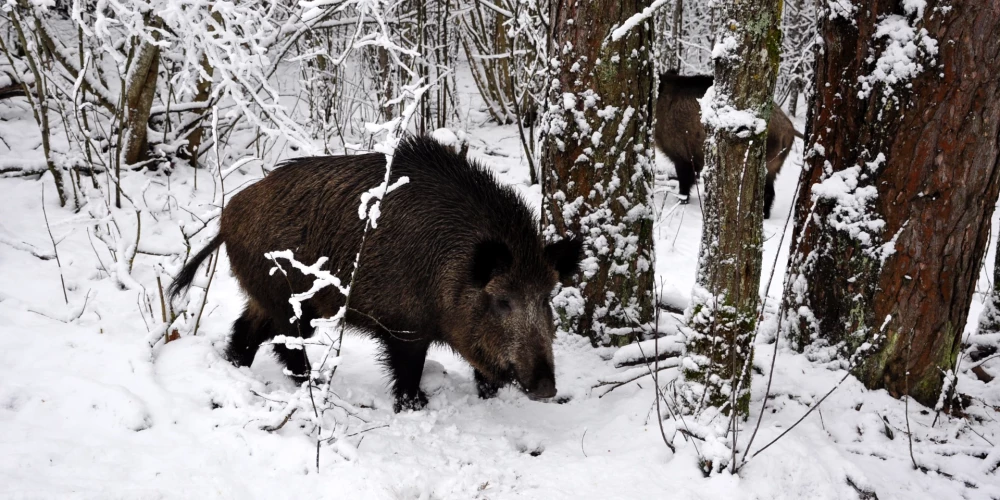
564	256
489	259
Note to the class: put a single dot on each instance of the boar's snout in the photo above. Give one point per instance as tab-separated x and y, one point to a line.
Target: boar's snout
546	389
542	384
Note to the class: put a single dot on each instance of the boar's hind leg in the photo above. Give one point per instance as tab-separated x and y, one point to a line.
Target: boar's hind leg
405	361
249	331
768	195
686	178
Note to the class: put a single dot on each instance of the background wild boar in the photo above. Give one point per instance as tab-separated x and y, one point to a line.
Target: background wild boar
681	136
456	259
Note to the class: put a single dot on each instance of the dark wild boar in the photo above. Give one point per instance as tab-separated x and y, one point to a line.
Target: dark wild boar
456	259
681	136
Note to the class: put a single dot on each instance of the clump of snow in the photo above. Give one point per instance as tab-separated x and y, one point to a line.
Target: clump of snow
914	7
636	19
843	9
375	195
446	137
851	201
726	49
718	114
457	141
647	350
907	50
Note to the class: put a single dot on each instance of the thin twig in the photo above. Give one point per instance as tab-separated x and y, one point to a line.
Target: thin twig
279	425
803	417
906	401
204	300
55	249
781	317
656	370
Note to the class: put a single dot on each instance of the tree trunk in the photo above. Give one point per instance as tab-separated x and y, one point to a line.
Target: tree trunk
677	25
899	188
202	92
597	165
793	96
140	89
724	303
39	108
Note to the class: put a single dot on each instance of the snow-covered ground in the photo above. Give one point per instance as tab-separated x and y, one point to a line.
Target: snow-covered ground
89	410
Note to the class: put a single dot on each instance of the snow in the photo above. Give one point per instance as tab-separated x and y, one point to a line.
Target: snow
447	137
727	48
907	50
915	7
647	350
717	113
843	9
636	19
850	212
94	405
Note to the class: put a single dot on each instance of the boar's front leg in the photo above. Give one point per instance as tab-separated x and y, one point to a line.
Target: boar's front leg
486	387
405	361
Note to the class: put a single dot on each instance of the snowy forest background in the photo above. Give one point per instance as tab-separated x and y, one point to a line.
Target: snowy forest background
125	126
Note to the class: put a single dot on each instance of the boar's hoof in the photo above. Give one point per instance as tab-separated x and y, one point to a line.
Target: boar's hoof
298	378
410	402
487	389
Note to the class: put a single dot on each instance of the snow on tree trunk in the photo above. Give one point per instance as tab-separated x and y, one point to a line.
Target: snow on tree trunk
598	161
735	112
899	187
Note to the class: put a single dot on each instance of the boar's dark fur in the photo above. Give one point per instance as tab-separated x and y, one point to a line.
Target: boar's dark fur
681	136
456	259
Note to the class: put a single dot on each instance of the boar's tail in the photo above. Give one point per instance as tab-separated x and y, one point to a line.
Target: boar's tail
798	134
186	276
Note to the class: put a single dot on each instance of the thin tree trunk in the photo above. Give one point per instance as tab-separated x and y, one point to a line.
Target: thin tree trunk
677	27
899	190
793	96
39	105
140	89
194	138
724	303
597	163
385	81
989	319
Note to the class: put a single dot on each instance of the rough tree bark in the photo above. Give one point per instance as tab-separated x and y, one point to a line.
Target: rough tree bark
597	165
735	111
899	188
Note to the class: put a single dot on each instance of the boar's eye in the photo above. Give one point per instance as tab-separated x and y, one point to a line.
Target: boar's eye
503	305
